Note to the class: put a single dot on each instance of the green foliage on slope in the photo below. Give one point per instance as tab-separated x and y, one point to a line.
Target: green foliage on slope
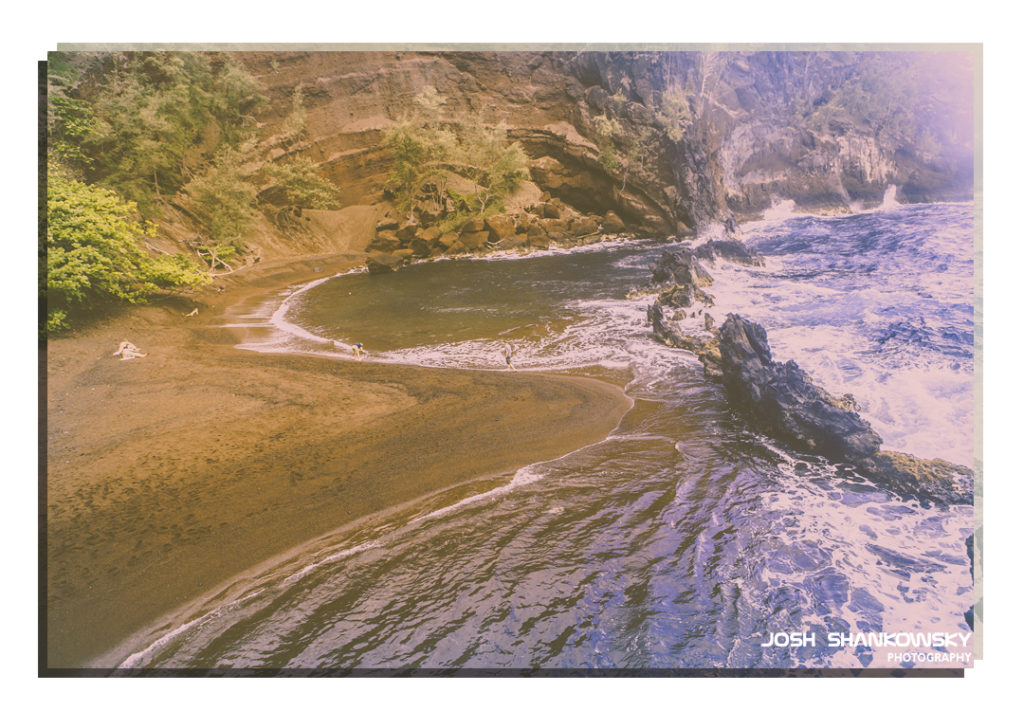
226	202
96	252
144	121
303	187
428	150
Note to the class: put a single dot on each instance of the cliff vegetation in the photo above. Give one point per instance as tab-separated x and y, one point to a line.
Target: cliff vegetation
224	159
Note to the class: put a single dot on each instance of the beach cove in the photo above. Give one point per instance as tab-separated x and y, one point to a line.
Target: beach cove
167	475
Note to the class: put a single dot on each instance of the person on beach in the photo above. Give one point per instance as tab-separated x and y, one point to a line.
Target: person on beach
357	351
128	351
506	349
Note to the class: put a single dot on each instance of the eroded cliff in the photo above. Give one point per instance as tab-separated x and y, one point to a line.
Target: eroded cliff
644	143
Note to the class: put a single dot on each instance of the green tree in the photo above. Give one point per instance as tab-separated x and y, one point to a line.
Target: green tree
420	146
484	154
226	203
146	120
235	98
95	252
72	125
303	188
427	151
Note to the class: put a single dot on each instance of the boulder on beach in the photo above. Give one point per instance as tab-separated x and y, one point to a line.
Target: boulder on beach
383	262
501	227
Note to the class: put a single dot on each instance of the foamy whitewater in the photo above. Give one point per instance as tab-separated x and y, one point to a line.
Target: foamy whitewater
683	539
879	305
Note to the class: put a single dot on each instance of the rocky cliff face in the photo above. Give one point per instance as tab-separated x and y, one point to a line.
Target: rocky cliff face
644	143
832	131
352	97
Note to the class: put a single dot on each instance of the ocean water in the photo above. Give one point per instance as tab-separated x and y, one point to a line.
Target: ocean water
879	305
684	538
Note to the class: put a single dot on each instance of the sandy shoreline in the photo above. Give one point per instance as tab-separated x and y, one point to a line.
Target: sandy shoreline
170	474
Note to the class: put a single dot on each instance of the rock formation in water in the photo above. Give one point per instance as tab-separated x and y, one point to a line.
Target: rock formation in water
784	401
780	399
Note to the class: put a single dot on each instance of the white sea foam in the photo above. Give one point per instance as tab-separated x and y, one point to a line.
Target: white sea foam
918	400
780	210
139	659
332	558
856	533
889	201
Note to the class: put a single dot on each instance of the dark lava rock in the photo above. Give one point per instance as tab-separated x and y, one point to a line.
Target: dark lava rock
670	334
783	401
666	331
731	250
681	297
926	479
970	551
682	268
383	262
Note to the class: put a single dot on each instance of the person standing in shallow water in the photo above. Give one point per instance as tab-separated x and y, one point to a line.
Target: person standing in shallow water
506	349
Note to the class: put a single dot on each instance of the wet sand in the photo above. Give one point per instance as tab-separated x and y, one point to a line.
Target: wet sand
170	474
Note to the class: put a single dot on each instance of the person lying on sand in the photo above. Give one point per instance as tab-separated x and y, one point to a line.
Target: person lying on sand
128	350
193	312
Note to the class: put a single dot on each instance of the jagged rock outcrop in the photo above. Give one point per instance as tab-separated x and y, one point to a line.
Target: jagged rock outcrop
704	345
681	267
784	401
781	399
731	250
571	195
930	480
795	125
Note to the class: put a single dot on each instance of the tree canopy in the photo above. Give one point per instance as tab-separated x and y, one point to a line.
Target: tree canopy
302	186
150	118
128	132
96	253
427	150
